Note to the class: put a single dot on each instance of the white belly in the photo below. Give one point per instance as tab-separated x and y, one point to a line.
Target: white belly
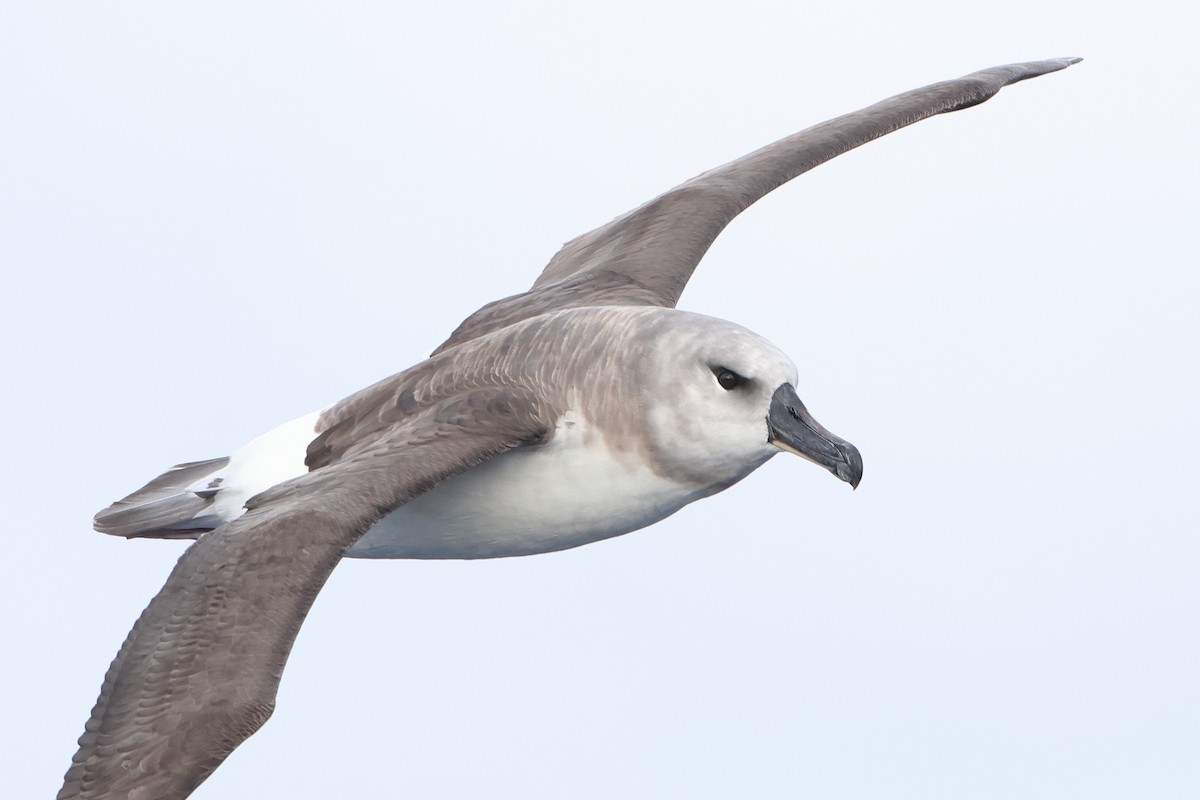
571	491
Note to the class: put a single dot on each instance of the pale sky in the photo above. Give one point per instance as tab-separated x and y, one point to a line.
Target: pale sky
215	217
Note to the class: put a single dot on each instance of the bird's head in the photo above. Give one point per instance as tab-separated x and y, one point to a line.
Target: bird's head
721	400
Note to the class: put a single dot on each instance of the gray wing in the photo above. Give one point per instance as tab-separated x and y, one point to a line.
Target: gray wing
198	673
647	256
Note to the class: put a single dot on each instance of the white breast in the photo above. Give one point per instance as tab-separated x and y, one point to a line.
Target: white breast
571	491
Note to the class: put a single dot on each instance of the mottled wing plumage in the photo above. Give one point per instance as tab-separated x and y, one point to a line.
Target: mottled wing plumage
646	257
199	671
481	380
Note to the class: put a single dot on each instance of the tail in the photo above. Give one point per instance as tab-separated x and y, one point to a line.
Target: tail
172	506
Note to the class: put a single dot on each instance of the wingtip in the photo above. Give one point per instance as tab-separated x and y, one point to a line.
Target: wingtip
998	77
1056	64
1049	65
1063	63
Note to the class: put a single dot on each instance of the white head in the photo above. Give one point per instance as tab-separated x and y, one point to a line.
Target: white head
718	400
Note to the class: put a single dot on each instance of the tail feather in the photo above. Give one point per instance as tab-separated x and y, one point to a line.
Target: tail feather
169	507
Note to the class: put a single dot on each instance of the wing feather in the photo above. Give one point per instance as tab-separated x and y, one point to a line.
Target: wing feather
198	673
646	256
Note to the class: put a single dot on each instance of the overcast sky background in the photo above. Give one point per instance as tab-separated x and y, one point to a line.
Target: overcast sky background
217	216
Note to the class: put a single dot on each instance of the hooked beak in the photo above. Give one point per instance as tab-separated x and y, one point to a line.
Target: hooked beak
790	427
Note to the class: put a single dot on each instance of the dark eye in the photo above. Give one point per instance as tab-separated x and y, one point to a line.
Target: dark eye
728	378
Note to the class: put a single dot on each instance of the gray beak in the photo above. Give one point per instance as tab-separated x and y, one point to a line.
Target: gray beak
790	427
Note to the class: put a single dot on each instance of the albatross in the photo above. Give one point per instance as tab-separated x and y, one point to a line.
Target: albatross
584	408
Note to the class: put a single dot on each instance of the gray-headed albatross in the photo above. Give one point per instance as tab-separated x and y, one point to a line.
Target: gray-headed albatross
584	408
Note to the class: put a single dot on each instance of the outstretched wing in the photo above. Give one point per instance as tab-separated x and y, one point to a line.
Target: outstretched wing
647	256
198	673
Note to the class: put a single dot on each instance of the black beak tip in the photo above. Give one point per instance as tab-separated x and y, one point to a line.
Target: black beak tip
850	470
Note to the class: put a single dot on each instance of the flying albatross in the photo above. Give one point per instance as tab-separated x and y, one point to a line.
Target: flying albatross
584	408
